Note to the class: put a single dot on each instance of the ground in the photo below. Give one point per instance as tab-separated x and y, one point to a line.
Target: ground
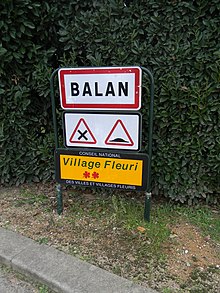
170	256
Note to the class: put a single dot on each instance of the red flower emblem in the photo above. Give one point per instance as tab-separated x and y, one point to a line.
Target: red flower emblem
95	175
86	174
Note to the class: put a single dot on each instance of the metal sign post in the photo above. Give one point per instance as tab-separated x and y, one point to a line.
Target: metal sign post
148	193
95	90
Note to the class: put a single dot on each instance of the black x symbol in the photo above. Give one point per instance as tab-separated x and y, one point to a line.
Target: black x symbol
82	134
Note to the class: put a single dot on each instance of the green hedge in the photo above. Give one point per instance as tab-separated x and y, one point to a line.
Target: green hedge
26	49
177	40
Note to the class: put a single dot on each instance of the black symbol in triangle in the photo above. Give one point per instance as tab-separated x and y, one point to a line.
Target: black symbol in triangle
113	136
82	134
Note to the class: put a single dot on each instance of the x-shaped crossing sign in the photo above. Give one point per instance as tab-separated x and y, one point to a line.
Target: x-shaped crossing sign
82	134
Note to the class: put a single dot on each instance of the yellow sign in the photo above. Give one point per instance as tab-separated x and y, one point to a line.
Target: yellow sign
116	169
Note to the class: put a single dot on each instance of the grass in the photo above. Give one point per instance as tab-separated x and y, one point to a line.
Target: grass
43	240
9	272
124	214
168	290
208	221
113	223
202	216
43	289
27	197
128	213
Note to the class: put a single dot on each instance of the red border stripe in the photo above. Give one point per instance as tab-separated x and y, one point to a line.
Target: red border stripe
135	70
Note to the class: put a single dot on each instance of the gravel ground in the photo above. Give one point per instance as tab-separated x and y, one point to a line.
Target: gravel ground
190	261
11	282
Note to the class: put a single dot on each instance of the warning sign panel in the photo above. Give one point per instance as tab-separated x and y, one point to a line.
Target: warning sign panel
102	130
97	169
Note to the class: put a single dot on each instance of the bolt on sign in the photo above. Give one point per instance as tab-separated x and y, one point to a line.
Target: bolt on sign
101	169
104	88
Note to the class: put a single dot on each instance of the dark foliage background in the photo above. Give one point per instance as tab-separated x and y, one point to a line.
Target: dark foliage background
177	40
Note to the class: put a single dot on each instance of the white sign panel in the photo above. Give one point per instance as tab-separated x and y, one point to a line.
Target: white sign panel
100	88
102	130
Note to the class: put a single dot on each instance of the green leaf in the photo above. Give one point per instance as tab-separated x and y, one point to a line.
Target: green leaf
29	24
2	51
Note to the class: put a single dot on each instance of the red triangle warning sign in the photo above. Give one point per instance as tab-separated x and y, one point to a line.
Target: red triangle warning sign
82	134
119	135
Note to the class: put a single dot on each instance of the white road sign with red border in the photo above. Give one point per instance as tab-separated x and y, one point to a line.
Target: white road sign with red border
102	130
100	88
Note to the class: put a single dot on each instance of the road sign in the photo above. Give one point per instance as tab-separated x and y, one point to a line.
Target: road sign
82	133
115	136
97	169
101	88
102	130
